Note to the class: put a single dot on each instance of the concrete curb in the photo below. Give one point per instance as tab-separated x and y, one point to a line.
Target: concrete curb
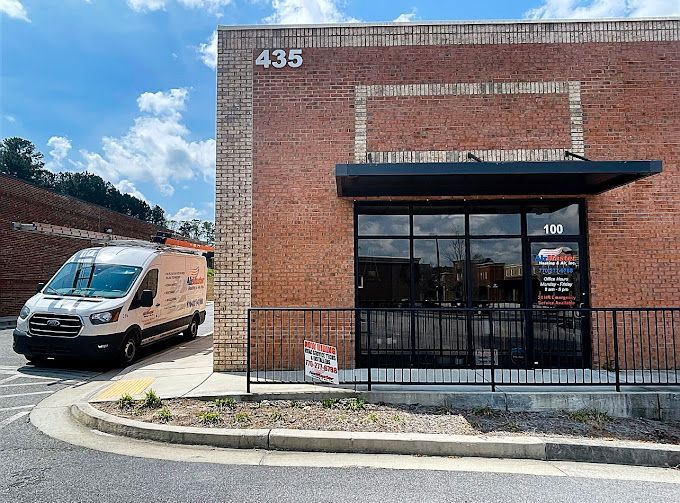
625	453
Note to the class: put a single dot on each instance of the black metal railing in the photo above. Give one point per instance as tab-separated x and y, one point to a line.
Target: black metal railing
470	346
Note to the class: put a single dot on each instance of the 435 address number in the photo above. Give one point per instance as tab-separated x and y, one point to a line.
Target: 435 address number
279	58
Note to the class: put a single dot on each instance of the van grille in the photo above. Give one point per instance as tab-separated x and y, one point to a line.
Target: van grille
59	325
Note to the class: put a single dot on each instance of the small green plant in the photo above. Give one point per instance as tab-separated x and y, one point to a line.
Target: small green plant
210	417
151	400
484	411
164	415
255	405
398	419
372	417
223	403
341	418
328	403
593	417
276	416
512	426
125	401
296	404
355	404
241	417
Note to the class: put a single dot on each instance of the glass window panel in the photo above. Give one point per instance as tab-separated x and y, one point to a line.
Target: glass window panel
439	266
441	224
384	277
495	224
548	221
383	225
497	272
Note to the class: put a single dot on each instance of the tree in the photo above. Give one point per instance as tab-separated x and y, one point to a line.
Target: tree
19	157
208	231
157	216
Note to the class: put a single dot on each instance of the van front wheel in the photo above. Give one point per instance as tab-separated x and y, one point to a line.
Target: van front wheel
192	330
128	352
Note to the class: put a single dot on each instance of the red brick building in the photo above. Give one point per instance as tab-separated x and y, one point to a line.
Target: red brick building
27	259
345	151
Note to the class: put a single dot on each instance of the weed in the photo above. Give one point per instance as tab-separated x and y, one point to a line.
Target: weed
512	426
125	401
242	417
151	400
372	417
593	417
276	416
355	404
609	366
223	403
484	411
341	418
255	405
447	409
210	418
296	404
398	419
328	403
164	415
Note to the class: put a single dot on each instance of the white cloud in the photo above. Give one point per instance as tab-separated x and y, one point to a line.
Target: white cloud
307	12
406	17
14	9
127	187
212	6
208	51
593	9
156	148
61	146
186	213
10	118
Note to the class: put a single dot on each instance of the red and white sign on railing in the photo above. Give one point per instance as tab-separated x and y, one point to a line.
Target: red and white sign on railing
321	362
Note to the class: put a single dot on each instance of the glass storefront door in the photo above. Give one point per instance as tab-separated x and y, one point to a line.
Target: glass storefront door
492	259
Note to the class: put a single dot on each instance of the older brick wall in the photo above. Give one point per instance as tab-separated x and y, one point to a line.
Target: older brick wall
27	259
413	93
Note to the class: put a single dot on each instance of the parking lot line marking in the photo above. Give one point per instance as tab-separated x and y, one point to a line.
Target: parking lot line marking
42	383
129	386
13	418
11	378
30	393
18	407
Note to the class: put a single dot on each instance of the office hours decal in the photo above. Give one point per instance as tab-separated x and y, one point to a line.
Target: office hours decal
556	270
279	58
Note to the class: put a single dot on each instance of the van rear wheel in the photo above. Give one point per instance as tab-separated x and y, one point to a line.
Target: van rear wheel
128	351
192	330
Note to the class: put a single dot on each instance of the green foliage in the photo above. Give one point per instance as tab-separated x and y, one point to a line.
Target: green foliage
276	416
484	411
296	404
164	415
151	400
20	158
241	417
593	417
372	417
210	418
328	403
223	403
398	419
355	404
125	401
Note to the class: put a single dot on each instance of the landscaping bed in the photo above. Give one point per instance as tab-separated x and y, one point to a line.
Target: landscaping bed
355	415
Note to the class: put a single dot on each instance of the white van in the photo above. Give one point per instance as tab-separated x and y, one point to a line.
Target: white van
106	302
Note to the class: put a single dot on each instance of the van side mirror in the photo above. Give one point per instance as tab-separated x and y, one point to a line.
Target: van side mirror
147	298
40	287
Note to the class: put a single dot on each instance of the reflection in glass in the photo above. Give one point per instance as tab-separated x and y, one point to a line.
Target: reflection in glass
440	272
431	225
384	221
495	224
384	273
496	272
565	220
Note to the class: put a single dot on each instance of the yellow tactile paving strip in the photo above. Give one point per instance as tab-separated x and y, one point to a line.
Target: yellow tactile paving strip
131	386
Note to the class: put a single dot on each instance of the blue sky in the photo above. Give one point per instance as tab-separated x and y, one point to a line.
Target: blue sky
126	88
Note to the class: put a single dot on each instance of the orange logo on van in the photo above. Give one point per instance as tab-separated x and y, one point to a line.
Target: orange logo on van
194	278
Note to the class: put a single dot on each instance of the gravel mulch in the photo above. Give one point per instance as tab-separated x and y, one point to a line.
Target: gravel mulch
354	415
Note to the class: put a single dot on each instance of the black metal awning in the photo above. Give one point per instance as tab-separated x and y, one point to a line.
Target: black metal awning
489	178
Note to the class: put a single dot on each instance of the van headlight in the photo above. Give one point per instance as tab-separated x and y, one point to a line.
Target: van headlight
25	311
105	317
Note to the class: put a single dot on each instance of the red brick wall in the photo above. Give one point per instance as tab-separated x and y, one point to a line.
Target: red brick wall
304	124
27	259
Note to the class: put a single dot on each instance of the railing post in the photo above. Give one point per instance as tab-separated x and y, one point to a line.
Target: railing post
248	354
616	350
491	341
368	345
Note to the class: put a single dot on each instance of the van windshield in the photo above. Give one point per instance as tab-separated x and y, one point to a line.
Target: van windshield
87	279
